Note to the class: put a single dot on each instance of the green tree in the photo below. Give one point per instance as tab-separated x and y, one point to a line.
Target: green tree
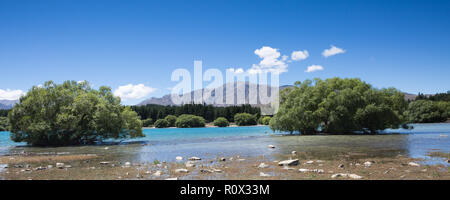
221	122
189	121
3	124
147	122
338	106
171	119
426	111
265	120
70	114
161	123
244	119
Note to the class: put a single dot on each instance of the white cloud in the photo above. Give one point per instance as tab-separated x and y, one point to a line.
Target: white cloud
299	55
131	91
333	50
313	68
270	61
11	94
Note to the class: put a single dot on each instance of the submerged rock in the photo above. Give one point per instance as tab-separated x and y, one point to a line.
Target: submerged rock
288	162
179	158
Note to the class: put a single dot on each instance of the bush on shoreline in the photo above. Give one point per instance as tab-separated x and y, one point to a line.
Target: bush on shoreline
427	111
189	121
171	119
71	114
221	122
147	122
245	119
161	123
338	106
265	120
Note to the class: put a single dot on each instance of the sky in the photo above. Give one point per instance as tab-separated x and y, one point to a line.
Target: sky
134	46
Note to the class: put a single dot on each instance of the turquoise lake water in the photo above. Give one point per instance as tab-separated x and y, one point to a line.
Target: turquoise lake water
166	144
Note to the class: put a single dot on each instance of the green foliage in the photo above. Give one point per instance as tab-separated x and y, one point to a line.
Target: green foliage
171	119
3	124
221	122
208	112
338	106
4	113
426	111
70	114
147	122
161	123
189	121
265	120
245	119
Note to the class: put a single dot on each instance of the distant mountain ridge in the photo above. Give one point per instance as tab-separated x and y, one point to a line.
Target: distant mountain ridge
166	100
7	104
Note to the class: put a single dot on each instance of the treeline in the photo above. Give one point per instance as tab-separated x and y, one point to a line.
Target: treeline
436	97
429	109
4	113
208	112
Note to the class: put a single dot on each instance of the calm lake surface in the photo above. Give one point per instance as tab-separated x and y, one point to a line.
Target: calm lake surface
166	144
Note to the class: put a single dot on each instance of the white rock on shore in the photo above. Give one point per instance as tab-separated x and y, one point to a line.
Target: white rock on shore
353	176
368	164
413	164
288	162
181	171
157	173
263	165
262	174
179	158
189	164
171	179
59	165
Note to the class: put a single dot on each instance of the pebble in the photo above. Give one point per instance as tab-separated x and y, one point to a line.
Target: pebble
179	158
341	166
189	164
104	163
223	159
262	174
172	179
157	173
127	164
271	146
413	164
288	162
353	176
294	153
368	164
309	162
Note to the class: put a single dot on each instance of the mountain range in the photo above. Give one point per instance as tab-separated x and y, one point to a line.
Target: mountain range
7	104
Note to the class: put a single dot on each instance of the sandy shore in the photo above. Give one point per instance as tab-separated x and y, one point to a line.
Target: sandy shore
92	167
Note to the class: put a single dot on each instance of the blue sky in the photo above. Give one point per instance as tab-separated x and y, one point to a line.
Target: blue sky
404	44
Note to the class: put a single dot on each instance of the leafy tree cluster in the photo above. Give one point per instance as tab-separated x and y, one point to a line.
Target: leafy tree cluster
208	112
70	114
147	122
338	106
245	119
427	111
3	124
221	122
189	121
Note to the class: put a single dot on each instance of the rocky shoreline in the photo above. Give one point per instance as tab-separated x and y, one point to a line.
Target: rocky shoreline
92	167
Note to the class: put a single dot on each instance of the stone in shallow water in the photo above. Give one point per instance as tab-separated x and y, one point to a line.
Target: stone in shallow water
271	146
60	165
179	158
189	164
194	158
413	164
